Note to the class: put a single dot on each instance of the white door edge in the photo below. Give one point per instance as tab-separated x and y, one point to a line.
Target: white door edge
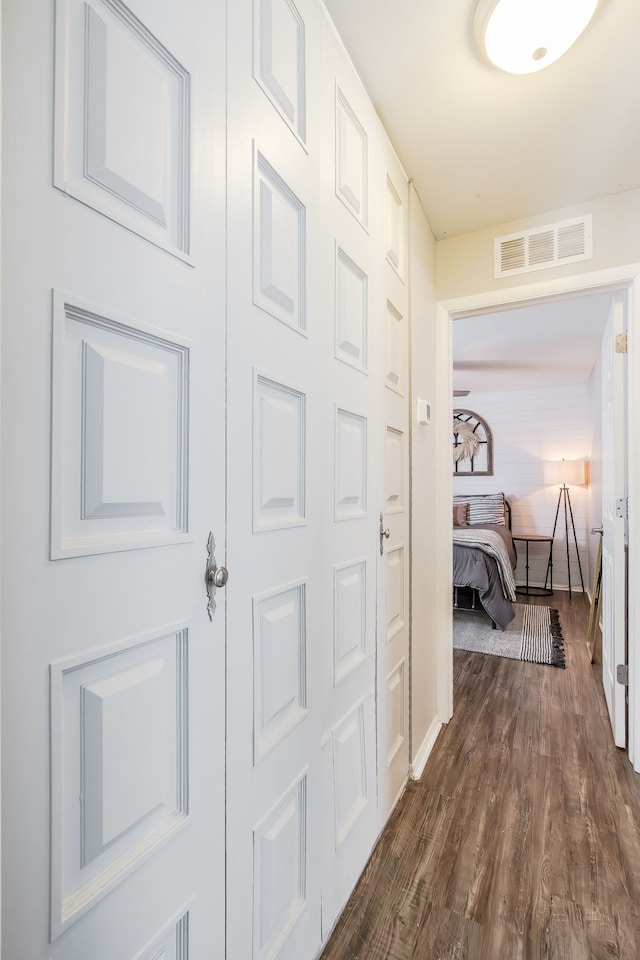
613	527
633	488
0	489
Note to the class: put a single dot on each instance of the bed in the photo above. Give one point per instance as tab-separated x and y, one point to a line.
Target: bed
484	555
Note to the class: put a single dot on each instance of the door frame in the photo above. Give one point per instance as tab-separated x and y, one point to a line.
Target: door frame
624	279
1	472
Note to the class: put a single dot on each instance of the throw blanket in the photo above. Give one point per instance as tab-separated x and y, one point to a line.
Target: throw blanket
491	543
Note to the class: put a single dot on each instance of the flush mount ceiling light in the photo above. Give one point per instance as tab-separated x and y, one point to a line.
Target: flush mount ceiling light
522	36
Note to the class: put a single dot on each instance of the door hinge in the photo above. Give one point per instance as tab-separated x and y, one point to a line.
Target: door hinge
622	674
622	508
622	344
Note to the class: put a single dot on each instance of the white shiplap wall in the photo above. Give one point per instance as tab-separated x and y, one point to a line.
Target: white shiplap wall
530	427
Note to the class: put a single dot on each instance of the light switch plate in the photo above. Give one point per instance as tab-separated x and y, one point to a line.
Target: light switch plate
423	412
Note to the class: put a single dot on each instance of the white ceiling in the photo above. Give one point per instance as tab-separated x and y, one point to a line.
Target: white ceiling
536	346
484	147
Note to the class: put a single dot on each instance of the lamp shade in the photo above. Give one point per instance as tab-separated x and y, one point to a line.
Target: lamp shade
564	471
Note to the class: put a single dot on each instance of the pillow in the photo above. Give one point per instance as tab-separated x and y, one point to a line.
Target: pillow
460	514
484	509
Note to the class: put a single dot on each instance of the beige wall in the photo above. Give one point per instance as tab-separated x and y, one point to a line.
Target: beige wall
423	480
465	263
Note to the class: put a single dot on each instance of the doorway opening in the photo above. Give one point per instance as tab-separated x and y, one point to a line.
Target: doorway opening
620	283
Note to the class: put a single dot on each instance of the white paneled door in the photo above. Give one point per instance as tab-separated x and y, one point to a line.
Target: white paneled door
306	410
114	476
613	523
393	590
352	226
275	429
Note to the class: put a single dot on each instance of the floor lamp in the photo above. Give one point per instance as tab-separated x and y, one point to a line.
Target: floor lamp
566	472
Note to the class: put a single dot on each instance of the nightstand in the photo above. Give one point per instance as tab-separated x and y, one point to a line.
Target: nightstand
535	591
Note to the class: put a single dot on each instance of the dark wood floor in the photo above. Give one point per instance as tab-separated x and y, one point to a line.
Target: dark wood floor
522	839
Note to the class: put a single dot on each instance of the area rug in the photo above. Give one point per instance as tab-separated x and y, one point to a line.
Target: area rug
533	635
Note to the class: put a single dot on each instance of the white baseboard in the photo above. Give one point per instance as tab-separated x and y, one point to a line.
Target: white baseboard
420	760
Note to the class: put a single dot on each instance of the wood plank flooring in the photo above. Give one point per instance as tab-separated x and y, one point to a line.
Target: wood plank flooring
522	839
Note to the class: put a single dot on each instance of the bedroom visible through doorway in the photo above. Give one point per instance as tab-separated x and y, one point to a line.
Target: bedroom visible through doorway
599	288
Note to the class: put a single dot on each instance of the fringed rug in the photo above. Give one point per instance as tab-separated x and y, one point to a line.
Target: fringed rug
534	635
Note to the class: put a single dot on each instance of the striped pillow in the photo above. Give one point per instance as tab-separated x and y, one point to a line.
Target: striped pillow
484	509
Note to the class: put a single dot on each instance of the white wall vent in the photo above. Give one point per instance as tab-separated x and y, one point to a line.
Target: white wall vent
564	242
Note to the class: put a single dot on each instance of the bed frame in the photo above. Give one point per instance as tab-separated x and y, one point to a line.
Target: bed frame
475	596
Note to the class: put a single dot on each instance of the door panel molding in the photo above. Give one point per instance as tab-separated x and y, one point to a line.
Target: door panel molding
120	429
119	728
122	122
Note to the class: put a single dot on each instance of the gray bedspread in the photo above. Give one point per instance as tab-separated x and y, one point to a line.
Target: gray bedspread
472	567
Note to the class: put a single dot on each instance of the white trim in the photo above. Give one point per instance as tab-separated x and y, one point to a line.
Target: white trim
614	278
625	278
443	413
633	491
1	142
416	769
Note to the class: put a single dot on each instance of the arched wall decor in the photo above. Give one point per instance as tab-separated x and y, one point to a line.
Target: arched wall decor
472	445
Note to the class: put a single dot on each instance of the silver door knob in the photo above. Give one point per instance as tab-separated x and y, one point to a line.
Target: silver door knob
214	576
383	533
217	576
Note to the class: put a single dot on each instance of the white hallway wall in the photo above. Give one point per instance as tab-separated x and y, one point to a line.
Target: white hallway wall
529	427
426	567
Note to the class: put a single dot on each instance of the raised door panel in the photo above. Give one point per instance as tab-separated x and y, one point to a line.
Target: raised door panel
351	788
120	433
280	665
351	465
395	591
352	160
396	712
279	276
279	60
122	122
394	469
350	617
395	349
351	312
279	459
395	228
350	819
119	743
172	943
280	870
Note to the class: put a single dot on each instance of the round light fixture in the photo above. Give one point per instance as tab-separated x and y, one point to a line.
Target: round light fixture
522	36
